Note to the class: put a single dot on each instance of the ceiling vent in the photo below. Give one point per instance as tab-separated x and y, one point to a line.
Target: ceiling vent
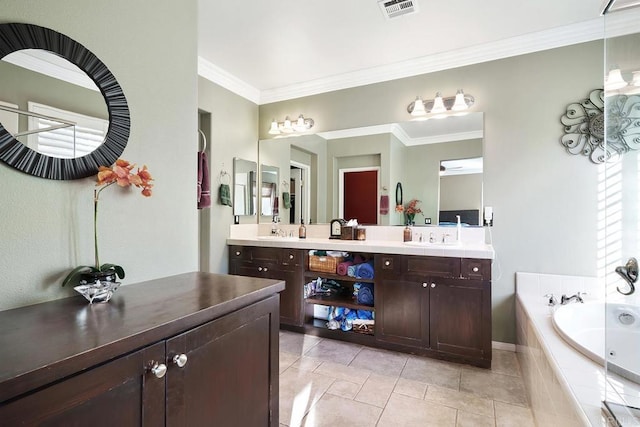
394	8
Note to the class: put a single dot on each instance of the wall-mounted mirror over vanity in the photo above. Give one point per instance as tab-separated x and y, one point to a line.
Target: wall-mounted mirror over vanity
412	153
245	174
62	113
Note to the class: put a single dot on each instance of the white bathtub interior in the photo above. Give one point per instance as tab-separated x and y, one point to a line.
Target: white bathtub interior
582	378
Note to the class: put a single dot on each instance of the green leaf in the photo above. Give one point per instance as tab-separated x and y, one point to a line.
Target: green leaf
74	275
118	270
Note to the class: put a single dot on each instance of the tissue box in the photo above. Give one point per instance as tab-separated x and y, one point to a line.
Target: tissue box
347	232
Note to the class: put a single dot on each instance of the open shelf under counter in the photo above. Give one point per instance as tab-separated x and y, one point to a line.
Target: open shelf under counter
322	325
341	301
315	274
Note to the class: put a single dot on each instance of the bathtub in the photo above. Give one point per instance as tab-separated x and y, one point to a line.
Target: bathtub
583	326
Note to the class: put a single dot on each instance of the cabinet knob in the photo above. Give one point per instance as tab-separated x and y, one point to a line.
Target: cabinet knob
158	369
180	360
475	269
237	253
387	263
424	285
265	269
433	285
259	268
290	256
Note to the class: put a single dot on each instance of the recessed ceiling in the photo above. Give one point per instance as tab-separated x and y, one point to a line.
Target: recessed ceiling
274	45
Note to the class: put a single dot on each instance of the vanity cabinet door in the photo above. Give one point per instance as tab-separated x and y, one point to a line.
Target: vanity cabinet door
460	317
122	392
230	374
402	312
287	268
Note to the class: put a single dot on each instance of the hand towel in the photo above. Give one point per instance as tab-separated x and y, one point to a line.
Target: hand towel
365	294
286	200
364	270
204	185
384	204
276	208
225	195
343	267
351	271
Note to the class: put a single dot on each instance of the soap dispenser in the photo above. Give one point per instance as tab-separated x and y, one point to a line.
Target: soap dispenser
302	230
407	235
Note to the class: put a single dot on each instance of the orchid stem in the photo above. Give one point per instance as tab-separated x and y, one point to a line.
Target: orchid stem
96	195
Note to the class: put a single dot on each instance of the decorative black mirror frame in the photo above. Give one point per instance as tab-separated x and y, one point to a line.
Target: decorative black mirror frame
14	37
398	194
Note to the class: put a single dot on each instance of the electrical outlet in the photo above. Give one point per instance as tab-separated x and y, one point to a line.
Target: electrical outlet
427	220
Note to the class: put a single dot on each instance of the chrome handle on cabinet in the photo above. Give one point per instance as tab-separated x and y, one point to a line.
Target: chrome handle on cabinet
387	263
158	369
290	256
180	360
433	285
265	269
475	269
237	253
259	268
424	285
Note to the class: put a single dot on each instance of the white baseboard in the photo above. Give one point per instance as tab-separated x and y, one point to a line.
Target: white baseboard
503	346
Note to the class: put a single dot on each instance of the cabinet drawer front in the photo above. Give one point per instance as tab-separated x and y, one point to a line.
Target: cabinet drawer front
239	252
388	265
259	254
479	269
291	257
434	266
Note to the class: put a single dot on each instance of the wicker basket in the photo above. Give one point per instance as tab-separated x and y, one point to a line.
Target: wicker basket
324	264
363	329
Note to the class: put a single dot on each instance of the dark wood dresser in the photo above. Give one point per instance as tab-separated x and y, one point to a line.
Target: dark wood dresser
188	350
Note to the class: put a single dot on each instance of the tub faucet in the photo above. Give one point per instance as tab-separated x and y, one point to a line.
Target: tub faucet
577	297
552	300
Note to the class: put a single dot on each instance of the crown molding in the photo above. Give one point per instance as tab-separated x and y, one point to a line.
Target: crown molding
227	80
617	24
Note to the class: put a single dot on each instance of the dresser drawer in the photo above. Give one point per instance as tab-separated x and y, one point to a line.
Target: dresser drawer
433	266
479	269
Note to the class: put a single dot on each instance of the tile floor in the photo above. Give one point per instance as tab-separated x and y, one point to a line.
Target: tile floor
325	382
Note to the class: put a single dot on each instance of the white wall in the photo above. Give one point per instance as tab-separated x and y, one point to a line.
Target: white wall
544	199
46	225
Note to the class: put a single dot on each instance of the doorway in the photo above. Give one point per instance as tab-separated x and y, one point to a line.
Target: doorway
300	193
358	194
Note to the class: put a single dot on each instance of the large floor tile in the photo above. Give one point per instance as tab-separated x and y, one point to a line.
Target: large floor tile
505	362
286	360
513	416
434	372
466	419
334	351
380	361
345	389
408	411
500	387
410	388
461	400
376	390
343	372
334	411
295	343
299	391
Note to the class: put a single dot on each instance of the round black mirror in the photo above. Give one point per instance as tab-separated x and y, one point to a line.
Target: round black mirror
398	194
15	37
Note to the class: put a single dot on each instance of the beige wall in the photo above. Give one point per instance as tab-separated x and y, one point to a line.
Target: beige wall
544	199
461	192
47	225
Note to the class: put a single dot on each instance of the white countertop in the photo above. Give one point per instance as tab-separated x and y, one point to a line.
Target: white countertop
463	250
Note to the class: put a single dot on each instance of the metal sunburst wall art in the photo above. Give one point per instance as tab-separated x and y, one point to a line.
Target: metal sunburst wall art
584	126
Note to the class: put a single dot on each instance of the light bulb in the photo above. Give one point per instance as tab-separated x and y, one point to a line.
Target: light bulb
300	126
418	108
460	104
274	128
438	105
287	128
614	80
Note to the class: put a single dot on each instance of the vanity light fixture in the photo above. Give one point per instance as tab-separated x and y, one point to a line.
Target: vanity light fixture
288	127
440	107
615	83
614	80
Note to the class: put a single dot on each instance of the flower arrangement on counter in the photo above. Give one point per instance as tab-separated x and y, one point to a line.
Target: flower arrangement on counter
410	210
121	173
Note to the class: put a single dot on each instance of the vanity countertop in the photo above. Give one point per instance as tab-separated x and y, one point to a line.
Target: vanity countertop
464	250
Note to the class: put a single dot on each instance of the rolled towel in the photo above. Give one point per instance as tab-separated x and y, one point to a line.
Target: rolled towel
364	270
351	271
343	267
365	294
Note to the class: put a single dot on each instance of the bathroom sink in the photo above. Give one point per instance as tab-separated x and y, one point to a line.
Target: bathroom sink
278	238
429	244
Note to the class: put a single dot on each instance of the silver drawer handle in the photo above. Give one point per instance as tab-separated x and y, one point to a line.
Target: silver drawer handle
387	263
237	253
475	269
259	268
433	285
158	369
424	285
265	269
290	256
180	360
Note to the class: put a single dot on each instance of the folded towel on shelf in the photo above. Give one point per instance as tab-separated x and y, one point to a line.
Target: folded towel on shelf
351	270
364	270
343	268
286	200
204	185
384	204
365	294
225	195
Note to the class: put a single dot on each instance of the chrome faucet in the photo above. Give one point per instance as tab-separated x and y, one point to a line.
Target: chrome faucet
432	238
552	300
577	297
